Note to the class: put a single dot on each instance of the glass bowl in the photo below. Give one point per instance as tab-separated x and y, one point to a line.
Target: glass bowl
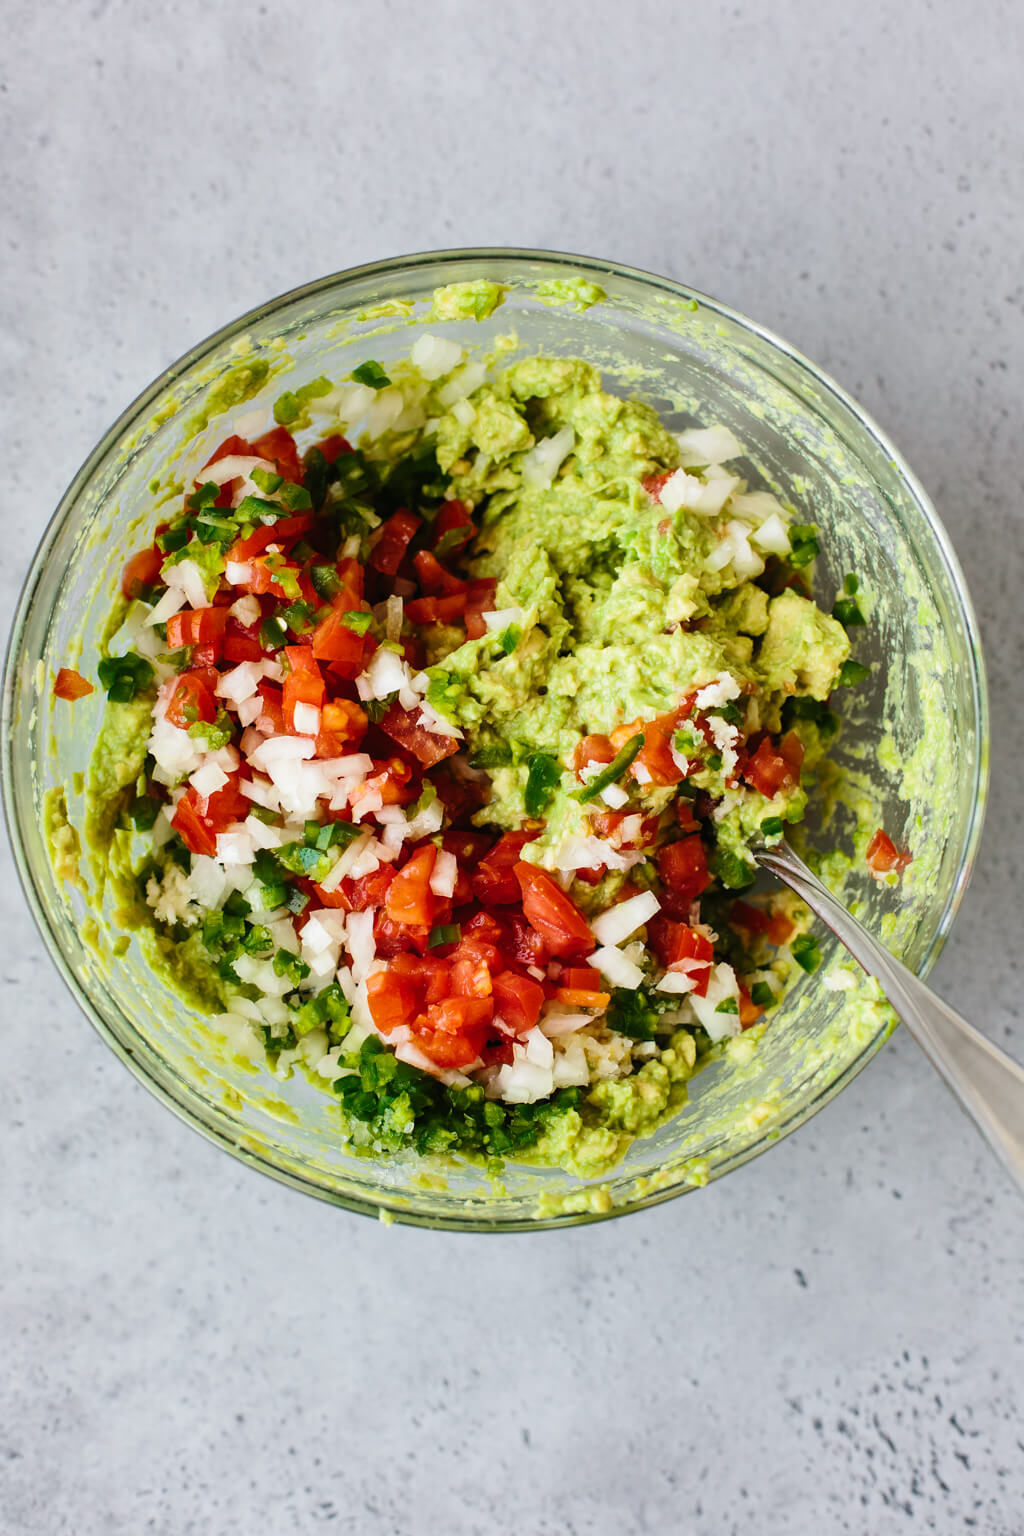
914	746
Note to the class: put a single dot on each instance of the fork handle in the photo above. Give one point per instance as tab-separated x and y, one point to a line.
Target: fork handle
988	1083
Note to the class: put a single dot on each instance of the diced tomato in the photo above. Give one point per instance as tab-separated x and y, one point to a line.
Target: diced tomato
526	945
883	856
395	781
334	446
452	515
356	895
655	484
450	1051
273	709
776	927
409	898
393	938
262	576
436	610
674	942
685	818
426	746
518	1000
770	770
393	999
284	532
241	643
191	700
334	642
655	756
609	825
592	749
749	1011
69	684
197	836
582	978
430	973
393	540
434	579
683	868
554	915
199	819
494	880
471	976
461	797
231	448
302	685
457	1015
485	926
278	446
197	626
142	570
479	600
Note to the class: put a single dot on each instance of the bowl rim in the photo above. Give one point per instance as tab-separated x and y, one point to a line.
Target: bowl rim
130	418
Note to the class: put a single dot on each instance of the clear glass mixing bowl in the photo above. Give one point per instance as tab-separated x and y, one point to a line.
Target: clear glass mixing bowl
917	739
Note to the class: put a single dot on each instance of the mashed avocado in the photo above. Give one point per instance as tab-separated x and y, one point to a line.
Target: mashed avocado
481	611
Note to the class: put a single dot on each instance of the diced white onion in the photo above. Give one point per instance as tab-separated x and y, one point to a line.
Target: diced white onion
208	779
240	683
501	618
171	603
444	873
361	947
246	610
237	572
708	445
721	986
772	536
721	691
387	673
545	458
615	796
306	718
616	967
435	355
615	925
675	981
277	749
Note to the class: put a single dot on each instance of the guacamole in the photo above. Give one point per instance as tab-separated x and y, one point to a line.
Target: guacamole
443	715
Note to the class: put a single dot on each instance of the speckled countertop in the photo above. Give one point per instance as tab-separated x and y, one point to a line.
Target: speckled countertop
829	1341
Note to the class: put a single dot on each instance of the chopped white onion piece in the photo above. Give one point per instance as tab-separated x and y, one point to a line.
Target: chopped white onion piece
246	610
708	445
240	683
616	967
772	536
361	947
501	618
171	603
307	719
675	981
278	749
444	873
237	572
545	458
615	925
435	355
208	779
615	796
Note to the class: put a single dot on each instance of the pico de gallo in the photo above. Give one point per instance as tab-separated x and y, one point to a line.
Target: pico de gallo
461	698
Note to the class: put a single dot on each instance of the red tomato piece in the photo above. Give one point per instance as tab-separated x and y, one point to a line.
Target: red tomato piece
393	999
303	684
592	749
241	643
654	484
69	684
334	642
554	915
436	610
197	836
494	880
334	446
434	579
393	540
457	1015
232	447
197	626
393	938
770	770
683	868
191	700
273	711
142	570
479	600
749	1011
284	532
883	856
430	973
580	978
278	446
468	847
453	516
526	945
409	898
518	1000
356	895
426	746
776	927
673	942
449	1051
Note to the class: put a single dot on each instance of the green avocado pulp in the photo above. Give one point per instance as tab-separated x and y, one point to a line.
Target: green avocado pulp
609	608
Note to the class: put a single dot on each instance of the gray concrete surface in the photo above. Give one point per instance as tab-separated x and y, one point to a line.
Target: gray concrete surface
830	1341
